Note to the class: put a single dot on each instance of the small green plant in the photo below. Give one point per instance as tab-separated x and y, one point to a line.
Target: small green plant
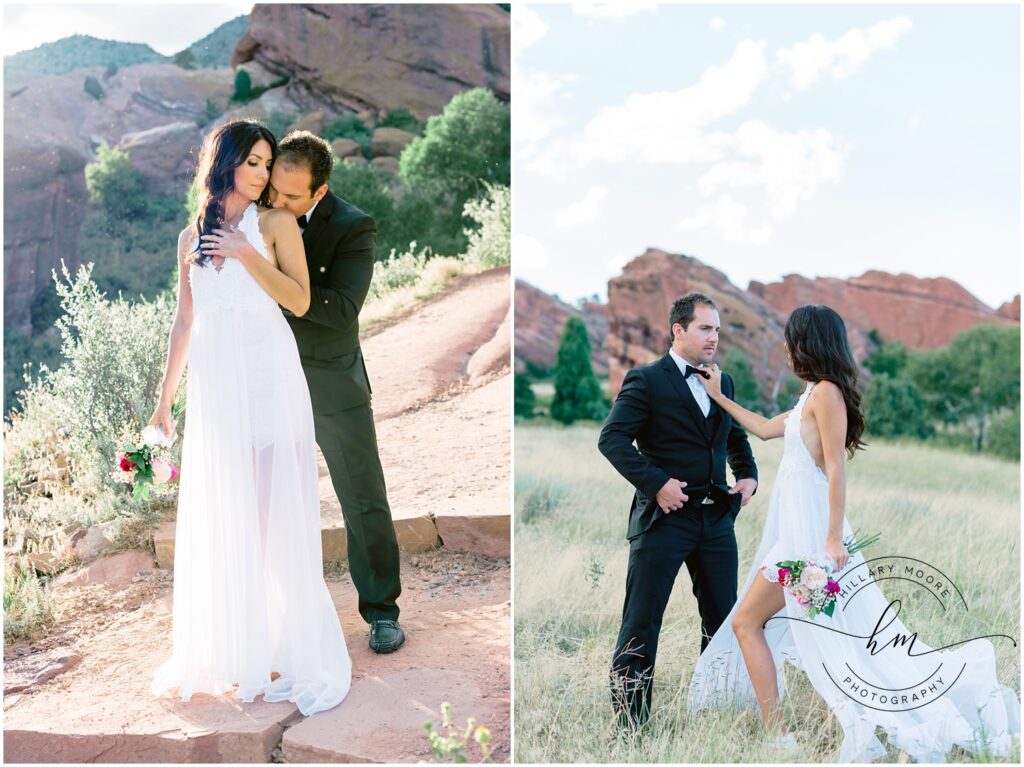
27	603
351	127
402	118
211	113
450	746
490	245
93	87
594	571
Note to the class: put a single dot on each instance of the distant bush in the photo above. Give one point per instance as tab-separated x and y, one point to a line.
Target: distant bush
1004	434
211	113
397	272
402	118
110	71
115	185
524	398
243	87
351	127
894	408
277	122
745	388
186	59
490	245
93	87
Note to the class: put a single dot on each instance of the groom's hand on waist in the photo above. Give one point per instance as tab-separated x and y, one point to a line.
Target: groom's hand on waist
744	487
671	496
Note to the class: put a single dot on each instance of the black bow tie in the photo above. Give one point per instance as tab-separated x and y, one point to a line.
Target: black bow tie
691	370
303	222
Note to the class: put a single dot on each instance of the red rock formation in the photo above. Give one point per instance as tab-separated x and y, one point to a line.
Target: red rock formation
640	299
921	313
1011	309
539	319
380	57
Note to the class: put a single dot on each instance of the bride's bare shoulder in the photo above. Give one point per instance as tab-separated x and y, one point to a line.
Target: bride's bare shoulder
185	240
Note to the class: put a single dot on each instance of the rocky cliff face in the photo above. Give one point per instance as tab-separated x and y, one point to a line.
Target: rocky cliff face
539	321
921	313
379	57
51	129
1011	309
640	299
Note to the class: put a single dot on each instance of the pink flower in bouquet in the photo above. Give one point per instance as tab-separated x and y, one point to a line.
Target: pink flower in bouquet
783	572
832	587
123	462
163	471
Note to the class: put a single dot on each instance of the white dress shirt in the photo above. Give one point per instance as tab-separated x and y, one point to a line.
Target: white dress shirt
699	392
309	216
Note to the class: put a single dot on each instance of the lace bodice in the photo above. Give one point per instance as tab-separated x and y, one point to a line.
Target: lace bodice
232	288
795	456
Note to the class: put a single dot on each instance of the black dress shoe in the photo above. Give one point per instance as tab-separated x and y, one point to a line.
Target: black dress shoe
386	636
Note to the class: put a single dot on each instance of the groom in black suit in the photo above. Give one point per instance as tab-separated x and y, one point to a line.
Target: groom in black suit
683	509
340	243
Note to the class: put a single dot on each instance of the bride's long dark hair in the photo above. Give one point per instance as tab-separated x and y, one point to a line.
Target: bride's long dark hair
816	340
223	150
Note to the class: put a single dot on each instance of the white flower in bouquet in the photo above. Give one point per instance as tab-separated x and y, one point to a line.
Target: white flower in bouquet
155	437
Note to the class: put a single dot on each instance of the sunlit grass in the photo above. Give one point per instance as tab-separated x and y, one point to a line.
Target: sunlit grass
957	511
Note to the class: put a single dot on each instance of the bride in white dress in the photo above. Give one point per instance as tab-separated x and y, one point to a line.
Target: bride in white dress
806	516
252	613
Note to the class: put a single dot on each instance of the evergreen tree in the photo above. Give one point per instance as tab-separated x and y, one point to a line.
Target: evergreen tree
525	400
243	87
577	393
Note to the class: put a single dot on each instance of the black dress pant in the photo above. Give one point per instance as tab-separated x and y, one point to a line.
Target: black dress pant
704	538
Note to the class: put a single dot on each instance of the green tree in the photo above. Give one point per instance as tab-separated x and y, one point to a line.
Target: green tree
114	184
402	118
243	87
462	149
789	391
187	60
351	127
577	394
976	375
93	87
888	359
747	392
894	408
524	398
110	71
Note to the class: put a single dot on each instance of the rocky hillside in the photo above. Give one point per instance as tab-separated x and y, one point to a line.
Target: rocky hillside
71	53
330	56
919	312
379	57
540	319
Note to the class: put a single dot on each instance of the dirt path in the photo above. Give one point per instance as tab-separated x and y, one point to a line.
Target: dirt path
442	400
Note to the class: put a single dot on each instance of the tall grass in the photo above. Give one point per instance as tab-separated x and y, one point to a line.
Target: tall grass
956	511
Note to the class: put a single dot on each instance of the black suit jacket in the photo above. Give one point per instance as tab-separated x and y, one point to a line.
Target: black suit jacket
340	242
656	408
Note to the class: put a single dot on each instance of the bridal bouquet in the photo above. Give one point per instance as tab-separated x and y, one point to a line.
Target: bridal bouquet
147	464
810	580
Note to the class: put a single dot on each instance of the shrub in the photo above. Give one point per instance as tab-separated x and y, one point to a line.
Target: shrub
110	71
115	185
402	118
107	386
351	127
490	245
211	113
243	87
1004	434
93	87
746	391
186	60
524	398
894	408
397	272
277	122
27	603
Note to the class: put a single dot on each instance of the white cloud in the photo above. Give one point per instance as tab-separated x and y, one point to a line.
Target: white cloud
717	24
531	255
729	218
536	113
585	211
665	126
527	28
809	60
787	167
612	10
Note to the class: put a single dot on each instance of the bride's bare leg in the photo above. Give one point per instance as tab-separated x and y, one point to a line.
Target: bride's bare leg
762	601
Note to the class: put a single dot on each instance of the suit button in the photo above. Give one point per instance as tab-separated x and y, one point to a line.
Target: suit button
323	268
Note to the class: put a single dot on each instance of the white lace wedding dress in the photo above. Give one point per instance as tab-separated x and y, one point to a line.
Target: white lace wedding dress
249	591
962	711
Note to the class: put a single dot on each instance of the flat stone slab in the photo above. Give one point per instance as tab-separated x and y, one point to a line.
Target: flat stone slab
383	715
102	710
116	571
481	525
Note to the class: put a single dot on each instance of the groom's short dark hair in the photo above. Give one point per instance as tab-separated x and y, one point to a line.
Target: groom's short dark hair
303	150
683	309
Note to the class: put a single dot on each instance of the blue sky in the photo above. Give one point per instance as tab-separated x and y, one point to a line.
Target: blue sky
165	27
767	140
